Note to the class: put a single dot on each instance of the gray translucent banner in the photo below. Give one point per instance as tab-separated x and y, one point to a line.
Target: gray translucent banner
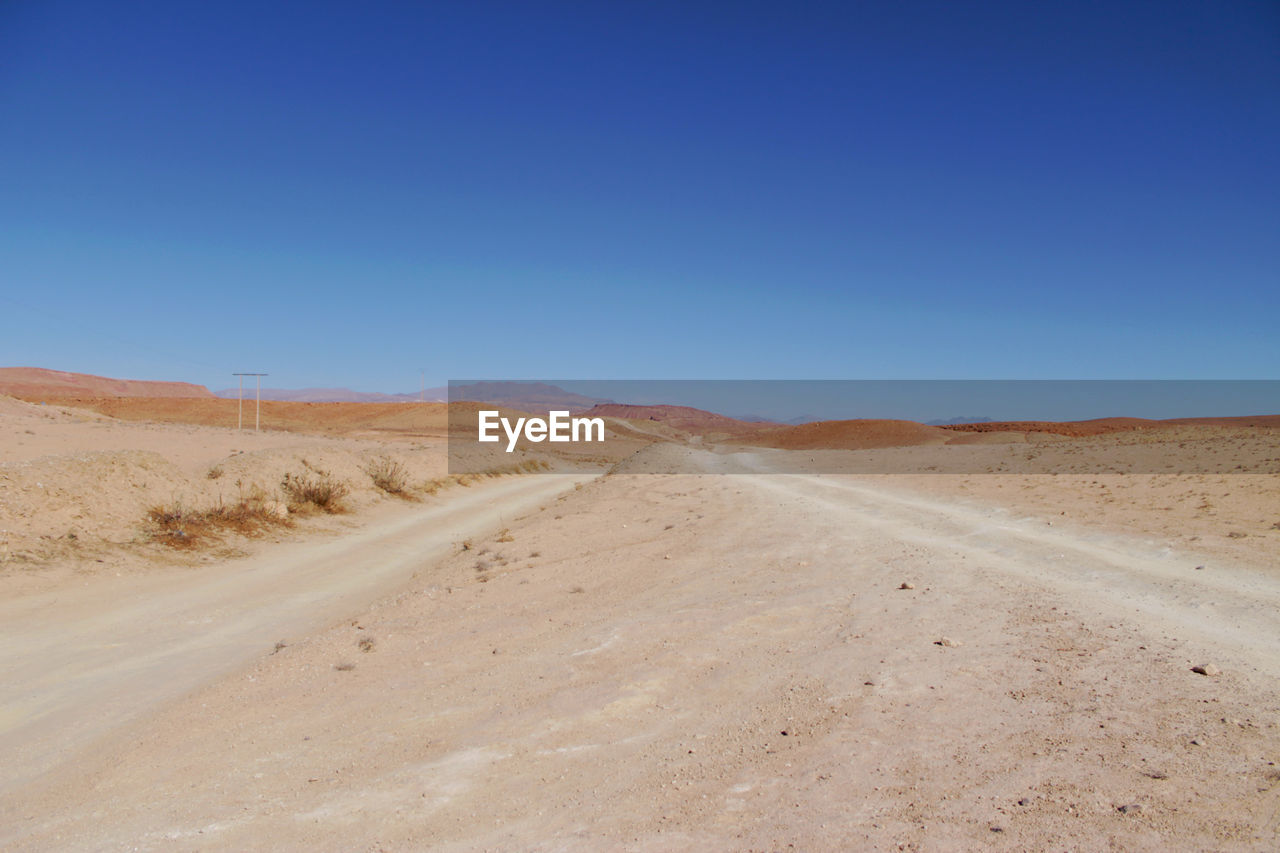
866	426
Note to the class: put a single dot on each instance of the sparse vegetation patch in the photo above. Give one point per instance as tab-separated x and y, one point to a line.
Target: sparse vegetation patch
389	476
180	526
529	466
315	490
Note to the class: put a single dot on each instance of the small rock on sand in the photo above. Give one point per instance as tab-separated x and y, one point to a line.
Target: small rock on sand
948	642
1206	669
907	585
1129	809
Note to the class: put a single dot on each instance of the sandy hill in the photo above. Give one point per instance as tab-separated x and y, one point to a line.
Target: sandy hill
684	418
427	419
39	383
333	418
848	435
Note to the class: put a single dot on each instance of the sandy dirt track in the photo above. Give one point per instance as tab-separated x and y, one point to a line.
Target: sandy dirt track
79	661
729	662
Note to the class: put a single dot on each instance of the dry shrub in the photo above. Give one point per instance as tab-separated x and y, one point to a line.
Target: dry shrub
315	490
177	525
389	475
430	487
184	527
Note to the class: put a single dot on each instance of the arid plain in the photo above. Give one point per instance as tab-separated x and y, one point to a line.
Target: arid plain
580	651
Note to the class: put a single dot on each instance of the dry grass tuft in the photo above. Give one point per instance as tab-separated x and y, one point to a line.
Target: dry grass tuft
180	526
316	490
389	476
529	466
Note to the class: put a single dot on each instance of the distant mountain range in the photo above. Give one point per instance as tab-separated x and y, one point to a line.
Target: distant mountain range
534	397
679	417
335	395
960	420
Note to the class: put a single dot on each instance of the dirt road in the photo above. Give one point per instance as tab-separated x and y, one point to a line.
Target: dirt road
730	662
80	661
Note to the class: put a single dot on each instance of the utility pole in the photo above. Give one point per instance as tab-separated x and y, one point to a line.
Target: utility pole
257	414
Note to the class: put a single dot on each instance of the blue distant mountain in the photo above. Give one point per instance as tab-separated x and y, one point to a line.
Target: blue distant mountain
960	420
336	395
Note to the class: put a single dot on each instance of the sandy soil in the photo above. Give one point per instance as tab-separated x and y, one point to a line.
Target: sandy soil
683	662
689	661
121	644
75	486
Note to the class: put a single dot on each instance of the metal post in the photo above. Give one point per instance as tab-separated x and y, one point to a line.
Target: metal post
257	414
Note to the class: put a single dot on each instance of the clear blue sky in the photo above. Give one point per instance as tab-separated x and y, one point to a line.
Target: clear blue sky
343	193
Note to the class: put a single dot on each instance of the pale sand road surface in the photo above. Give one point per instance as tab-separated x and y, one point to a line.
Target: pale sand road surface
79	661
726	662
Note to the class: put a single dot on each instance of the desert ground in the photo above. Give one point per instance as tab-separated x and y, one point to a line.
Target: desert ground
585	652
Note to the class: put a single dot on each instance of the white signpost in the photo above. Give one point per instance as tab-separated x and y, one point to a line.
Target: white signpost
257	414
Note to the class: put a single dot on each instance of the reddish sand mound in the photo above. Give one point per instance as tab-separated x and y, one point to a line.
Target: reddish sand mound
680	417
849	435
428	419
334	418
38	383
1104	426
